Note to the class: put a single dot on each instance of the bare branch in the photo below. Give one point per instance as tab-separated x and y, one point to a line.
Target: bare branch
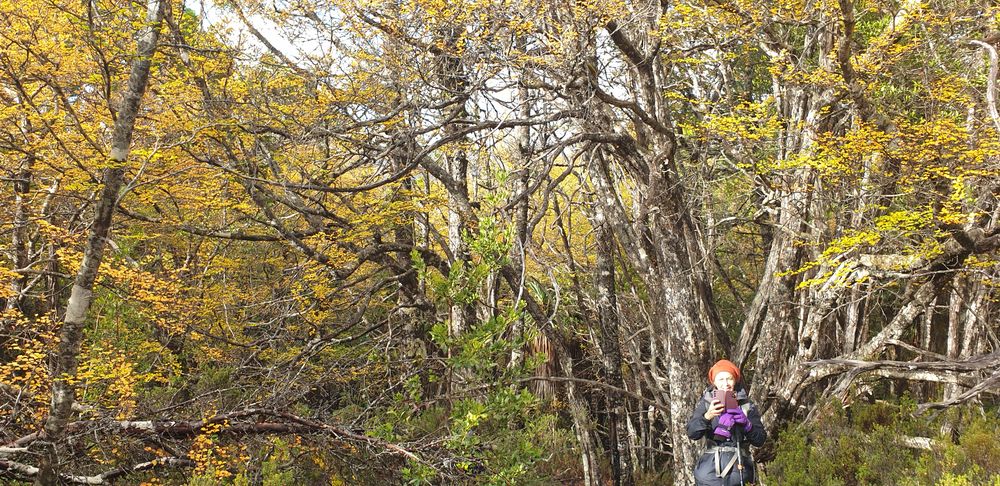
26	471
991	82
991	383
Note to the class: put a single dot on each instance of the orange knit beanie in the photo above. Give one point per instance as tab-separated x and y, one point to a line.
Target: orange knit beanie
723	365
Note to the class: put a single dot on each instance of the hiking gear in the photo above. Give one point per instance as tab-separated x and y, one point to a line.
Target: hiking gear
723	471
740	456
718	466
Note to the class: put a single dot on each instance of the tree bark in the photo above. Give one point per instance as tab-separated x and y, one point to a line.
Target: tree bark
19	235
451	73
17	303
607	312
71	335
583	426
526	154
415	312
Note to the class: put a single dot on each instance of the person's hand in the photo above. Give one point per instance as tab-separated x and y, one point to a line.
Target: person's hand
714	410
727	420
740	417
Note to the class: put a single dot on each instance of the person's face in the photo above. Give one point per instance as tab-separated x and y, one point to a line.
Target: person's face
724	381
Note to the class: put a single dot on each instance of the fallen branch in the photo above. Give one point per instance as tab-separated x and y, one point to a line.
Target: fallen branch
234	423
27	472
922	443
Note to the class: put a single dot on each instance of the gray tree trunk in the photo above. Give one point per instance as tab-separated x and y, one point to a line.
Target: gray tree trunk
583	426
526	155
71	336
20	246
607	313
19	234
451	72
414	310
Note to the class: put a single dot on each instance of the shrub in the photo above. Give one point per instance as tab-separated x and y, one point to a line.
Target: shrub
857	447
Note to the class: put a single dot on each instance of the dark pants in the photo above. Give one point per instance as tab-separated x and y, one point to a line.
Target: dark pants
705	475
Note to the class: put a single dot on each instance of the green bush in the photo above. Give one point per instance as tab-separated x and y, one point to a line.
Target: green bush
859	447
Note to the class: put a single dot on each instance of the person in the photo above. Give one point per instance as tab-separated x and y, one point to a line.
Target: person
725	431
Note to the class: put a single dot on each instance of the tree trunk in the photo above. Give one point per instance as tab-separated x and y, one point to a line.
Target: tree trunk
414	310
582	424
607	311
526	154
71	336
451	72
20	245
19	235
